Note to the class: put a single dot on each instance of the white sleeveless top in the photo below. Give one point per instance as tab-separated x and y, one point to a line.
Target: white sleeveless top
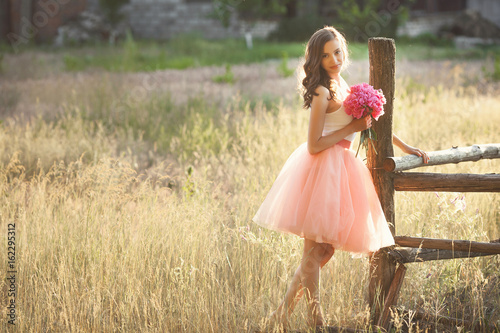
339	119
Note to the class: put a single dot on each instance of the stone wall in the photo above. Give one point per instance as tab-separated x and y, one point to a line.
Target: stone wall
431	23
426	24
164	19
489	9
23	21
93	6
258	29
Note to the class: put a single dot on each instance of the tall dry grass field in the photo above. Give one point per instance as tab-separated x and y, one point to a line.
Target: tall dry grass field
132	197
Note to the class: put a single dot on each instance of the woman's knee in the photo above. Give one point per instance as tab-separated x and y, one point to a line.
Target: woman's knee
327	255
330	250
317	252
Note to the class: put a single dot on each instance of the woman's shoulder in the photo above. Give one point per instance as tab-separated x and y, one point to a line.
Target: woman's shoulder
322	90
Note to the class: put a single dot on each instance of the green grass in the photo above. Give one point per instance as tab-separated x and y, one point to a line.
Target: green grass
420	51
227	77
283	67
179	53
493	70
188	51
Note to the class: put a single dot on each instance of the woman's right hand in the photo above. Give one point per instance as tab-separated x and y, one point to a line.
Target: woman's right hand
361	124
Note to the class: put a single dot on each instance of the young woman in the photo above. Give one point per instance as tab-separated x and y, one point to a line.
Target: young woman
324	193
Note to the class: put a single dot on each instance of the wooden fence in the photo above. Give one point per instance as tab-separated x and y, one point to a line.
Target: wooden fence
387	266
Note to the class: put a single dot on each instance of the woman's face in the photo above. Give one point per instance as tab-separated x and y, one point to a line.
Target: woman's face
332	58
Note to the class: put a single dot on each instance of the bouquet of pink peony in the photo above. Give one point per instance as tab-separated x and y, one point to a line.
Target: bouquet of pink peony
365	100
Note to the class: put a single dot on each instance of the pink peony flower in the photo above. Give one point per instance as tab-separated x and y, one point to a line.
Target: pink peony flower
364	100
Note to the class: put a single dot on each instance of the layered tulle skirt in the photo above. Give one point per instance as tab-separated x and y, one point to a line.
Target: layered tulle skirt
327	197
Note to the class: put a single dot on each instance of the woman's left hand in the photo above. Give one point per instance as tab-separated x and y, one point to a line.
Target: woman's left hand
409	149
418	152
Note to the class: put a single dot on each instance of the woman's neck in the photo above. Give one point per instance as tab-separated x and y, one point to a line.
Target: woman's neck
335	78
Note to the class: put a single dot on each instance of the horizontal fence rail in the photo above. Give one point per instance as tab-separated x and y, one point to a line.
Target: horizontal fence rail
442	182
407	255
448	244
440	157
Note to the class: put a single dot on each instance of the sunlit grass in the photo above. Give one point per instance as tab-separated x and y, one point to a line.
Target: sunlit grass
138	217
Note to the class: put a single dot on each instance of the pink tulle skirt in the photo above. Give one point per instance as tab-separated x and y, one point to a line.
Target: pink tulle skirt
327	197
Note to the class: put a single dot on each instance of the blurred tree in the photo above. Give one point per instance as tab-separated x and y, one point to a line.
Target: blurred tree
362	19
358	19
255	9
111	9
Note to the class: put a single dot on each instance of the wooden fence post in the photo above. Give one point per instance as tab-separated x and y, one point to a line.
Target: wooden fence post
382	54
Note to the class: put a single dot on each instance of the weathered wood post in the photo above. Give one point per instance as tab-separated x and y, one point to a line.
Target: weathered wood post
382	55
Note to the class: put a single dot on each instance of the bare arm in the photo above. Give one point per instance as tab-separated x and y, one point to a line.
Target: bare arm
409	149
316	142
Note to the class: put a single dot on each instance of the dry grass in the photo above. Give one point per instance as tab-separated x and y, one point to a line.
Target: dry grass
123	227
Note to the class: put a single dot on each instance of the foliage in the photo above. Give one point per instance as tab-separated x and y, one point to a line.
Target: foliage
359	20
493	74
227	77
257	9
130	51
72	63
283	67
222	10
429	39
371	18
263	9
112	8
179	53
298	29
187	51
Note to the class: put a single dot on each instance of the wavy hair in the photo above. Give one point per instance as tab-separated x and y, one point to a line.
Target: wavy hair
315	75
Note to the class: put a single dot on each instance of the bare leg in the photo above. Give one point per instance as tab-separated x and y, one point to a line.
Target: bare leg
310	267
314	257
329	251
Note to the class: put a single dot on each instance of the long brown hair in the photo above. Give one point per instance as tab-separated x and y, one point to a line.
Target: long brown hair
315	75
